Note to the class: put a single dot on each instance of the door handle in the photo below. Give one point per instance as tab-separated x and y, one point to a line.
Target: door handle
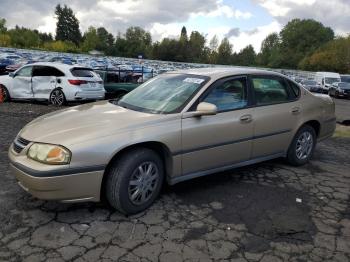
246	118
295	110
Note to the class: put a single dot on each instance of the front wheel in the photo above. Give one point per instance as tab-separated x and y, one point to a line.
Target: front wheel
134	180
57	97
302	147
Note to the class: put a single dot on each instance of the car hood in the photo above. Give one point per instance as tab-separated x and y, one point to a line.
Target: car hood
85	122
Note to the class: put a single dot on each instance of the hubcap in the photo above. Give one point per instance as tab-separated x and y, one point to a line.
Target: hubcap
57	97
304	145
143	183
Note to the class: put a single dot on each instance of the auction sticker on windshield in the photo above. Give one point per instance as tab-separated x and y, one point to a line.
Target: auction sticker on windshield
193	80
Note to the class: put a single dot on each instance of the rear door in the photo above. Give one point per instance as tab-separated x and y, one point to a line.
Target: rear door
45	79
22	83
277	113
223	139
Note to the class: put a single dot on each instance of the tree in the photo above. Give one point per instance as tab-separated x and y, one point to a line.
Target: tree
91	40
247	56
183	36
196	47
23	37
224	52
105	40
269	47
67	26
300	38
3	28
138	41
333	56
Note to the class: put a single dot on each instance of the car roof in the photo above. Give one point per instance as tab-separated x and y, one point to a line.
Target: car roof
219	72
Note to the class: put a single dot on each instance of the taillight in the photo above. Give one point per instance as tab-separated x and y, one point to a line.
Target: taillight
77	82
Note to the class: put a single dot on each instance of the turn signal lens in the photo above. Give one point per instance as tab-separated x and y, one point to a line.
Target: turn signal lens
49	154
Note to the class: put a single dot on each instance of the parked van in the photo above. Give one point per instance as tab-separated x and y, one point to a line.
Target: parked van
326	79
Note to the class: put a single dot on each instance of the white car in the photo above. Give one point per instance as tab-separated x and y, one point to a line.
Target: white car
53	82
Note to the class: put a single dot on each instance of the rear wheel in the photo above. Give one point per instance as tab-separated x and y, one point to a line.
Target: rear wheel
119	95
4	94
302	147
134	180
57	97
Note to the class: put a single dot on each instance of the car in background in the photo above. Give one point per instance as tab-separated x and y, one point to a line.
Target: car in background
163	130
312	86
4	63
345	78
120	81
56	83
340	89
326	79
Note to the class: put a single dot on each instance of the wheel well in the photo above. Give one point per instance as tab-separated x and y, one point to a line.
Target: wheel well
161	149
315	125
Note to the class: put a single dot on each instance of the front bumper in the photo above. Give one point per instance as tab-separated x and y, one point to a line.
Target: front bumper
61	183
67	188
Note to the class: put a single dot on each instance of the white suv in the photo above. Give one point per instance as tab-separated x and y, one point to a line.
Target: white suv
56	83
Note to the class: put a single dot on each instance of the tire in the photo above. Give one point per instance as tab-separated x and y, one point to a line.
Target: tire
299	152
330	93
57	98
5	94
121	193
336	95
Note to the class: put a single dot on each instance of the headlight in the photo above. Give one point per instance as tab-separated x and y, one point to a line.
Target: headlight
49	154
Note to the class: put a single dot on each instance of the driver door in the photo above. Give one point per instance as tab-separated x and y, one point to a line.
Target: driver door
22	83
221	140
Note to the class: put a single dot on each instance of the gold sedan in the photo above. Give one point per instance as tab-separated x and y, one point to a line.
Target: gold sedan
175	127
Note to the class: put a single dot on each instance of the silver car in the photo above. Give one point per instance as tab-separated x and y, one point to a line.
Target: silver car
175	127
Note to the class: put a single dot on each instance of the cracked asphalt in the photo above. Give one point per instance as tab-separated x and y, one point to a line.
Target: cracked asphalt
265	212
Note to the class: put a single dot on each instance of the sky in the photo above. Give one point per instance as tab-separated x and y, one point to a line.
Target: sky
242	21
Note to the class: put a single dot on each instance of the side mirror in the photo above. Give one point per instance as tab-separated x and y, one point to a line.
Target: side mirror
12	74
206	109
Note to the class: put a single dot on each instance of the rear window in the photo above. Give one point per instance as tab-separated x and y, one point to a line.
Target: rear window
82	72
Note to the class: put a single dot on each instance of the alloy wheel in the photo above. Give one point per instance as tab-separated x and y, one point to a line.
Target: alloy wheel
304	145
57	97
143	183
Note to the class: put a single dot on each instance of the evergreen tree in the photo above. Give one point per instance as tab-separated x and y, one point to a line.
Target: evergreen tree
67	26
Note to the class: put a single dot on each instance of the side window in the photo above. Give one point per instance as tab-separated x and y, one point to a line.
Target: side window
229	95
269	90
295	89
46	71
112	77
25	71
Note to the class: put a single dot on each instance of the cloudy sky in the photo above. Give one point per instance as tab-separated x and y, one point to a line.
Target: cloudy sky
242	21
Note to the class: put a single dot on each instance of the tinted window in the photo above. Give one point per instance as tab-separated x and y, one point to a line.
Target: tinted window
112	77
269	90
82	72
25	71
295	88
46	71
229	95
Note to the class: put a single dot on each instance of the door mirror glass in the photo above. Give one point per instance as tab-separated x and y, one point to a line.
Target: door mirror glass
12	74
206	109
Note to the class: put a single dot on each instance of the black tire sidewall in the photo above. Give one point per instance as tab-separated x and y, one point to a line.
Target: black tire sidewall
291	156
124	170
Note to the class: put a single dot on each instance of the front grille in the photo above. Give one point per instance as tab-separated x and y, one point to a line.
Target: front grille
19	144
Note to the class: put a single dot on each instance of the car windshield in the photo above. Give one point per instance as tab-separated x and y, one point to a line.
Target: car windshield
166	94
344	85
310	82
331	80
